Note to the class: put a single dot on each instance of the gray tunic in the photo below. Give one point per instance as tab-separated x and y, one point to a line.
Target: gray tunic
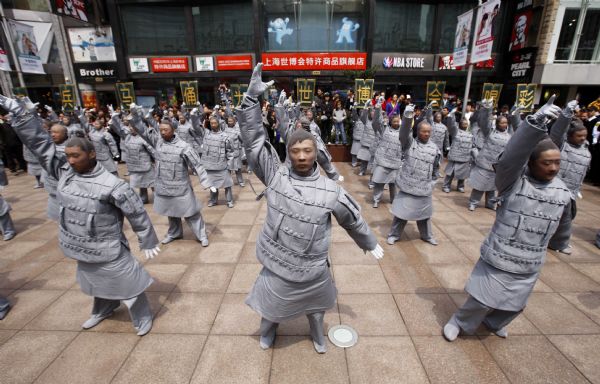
357	132
33	166
141	154
388	152
92	208
294	242
106	149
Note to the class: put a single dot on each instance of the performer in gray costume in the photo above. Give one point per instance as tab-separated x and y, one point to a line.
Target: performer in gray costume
459	156
216	154
532	205
59	136
575	159
232	129
33	167
439	131
186	132
105	146
357	132
6	225
388	155
73	128
416	180
174	196
92	205
294	242
140	156
367	139
482	174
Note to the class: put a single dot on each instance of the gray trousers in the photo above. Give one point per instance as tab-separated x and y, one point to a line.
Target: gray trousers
424	227
472	313
476	196
239	176
144	195
214	196
315	320
196	223
378	191
460	183
139	309
354	160
6	224
363	166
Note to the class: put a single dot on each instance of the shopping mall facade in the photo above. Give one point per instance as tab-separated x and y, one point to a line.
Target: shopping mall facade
402	44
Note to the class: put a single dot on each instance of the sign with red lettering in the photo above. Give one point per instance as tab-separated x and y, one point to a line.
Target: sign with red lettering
234	63
169	64
314	61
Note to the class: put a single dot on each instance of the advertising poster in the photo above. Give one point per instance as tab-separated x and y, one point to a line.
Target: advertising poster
73	8
92	44
520	29
89	99
27	50
485	30
462	38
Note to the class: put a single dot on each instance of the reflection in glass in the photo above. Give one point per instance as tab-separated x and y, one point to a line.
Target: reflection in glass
403	27
567	33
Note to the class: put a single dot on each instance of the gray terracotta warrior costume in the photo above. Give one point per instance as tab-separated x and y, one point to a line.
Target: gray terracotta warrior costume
416	181
216	155
6	225
439	131
33	166
513	253
92	207
106	149
294	242
357	132
459	156
574	163
140	157
235	140
185	131
51	184
367	139
174	196
388	157
482	175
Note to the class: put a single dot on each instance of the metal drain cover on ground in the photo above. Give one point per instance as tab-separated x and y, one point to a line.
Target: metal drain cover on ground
342	336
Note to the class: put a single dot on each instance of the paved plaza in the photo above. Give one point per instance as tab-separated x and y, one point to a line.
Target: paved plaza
204	333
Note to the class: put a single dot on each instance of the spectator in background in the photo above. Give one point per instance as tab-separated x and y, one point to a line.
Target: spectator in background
339	115
393	106
13	148
349	100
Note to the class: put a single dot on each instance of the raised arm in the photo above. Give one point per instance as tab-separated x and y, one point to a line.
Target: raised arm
261	156
150	136
29	129
483	119
514	118
519	148
452	125
52	116
558	132
406	127
378	118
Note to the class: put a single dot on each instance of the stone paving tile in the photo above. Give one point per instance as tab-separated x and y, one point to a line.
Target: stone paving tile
162	359
390	359
248	255
120	321
452	277
463	361
166	276
425	313
188	313
243	278
67	313
220	252
563	278
245	362
360	279
582	351
97	356
206	278
411	278
60	276
178	252
592	270
349	253
26	305
233	233
444	253
586	302
371	315
6	334
28	353
237	217
532	359
293	356
20	274
554	315
235	317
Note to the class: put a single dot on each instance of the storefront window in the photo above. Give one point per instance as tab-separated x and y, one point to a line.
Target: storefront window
403	26
567	33
588	41
447	14
30	5
224	28
154	29
314	25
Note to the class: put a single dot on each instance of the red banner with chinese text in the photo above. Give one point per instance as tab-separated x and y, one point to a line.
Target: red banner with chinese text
234	63
169	64
314	61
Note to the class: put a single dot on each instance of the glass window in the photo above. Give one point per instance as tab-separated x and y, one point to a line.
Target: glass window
403	27
448	14
314	25
567	33
224	28
154	29
589	35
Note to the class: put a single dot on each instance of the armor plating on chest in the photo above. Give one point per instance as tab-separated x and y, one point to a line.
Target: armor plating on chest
99	141
139	159
389	150
492	148
417	169
368	136
438	134
574	163
214	156
460	150
172	177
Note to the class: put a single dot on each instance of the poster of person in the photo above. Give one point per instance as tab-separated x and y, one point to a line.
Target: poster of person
26	47
92	44
446	62
72	8
485	30
462	38
518	39
4	63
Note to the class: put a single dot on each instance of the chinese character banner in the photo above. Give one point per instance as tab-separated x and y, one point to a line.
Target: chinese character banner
435	91
491	91
67	97
305	89
525	95
237	93
363	91
189	93
126	94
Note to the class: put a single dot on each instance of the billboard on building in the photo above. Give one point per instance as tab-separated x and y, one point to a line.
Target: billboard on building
76	9
520	30
4	63
486	29
92	44
462	38
25	44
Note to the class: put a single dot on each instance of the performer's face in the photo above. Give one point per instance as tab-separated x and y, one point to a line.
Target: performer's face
303	155
166	132
546	166
80	160
58	134
395	122
578	137
214	125
230	122
502	124
424	132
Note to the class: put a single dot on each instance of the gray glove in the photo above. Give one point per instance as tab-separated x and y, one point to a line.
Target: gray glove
487	103
516	109
570	108
17	107
547	112
282	97
257	87
409	111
